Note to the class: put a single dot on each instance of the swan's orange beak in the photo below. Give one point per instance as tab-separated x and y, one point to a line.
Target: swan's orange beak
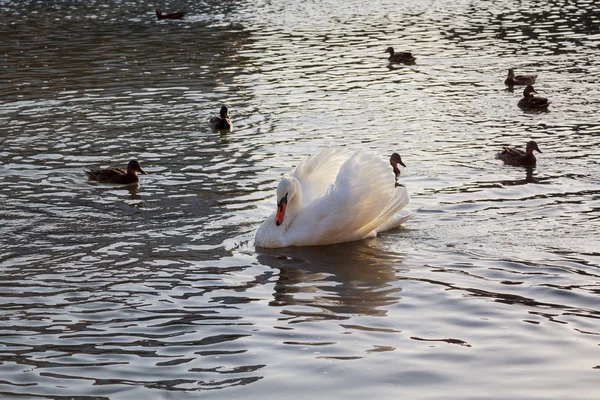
281	206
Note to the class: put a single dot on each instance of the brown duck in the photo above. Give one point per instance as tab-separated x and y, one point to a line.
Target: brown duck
117	175
513	79
175	15
394	161
514	156
531	102
402	57
221	122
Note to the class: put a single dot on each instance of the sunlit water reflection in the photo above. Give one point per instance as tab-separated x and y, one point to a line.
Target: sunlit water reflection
156	290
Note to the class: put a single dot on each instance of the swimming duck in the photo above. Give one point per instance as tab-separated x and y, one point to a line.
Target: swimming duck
334	196
175	15
404	56
394	161
117	175
514	156
530	102
519	79
221	122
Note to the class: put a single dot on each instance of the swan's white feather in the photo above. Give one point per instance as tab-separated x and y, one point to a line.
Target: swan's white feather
345	196
315	173
397	219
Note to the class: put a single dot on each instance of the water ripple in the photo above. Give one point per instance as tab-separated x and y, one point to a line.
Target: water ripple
156	289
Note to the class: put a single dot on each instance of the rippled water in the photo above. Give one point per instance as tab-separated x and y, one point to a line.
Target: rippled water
157	291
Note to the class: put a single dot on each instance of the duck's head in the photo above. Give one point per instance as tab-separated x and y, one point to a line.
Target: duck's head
390	50
531	146
224	113
158	12
528	91
395	160
511	73
134	166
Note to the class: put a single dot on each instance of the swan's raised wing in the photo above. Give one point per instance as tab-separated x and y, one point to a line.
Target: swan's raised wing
365	194
362	198
317	172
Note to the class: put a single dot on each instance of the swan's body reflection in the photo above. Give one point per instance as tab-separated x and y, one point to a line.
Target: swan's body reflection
335	280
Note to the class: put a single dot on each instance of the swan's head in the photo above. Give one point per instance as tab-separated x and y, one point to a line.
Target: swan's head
285	191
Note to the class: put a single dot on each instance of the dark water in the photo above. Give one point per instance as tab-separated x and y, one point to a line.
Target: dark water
157	291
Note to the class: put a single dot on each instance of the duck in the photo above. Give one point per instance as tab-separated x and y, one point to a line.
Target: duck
394	161
117	175
513	79
336	195
515	156
530	102
402	57
221	122
175	15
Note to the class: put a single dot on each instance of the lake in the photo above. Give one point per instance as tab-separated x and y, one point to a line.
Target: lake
156	290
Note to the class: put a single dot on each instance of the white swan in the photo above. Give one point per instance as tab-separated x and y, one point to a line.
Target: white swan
335	196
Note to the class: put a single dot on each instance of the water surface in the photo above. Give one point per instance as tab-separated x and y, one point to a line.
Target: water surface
157	290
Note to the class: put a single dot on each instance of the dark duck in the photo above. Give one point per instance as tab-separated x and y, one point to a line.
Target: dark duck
401	57
532	102
515	156
513	79
117	175
175	15
221	122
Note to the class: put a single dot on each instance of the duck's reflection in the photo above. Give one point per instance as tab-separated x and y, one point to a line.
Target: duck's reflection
134	191
530	177
335	281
